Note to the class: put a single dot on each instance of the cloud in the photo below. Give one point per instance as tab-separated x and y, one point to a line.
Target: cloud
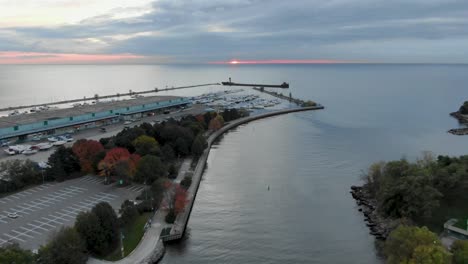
219	30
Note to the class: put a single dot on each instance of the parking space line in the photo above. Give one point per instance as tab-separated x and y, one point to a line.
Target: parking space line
39	227
22	234
42	223
29	230
13	237
52	220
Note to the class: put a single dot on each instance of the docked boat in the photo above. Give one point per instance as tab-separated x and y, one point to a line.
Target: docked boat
59	143
44	146
10	151
53	139
30	151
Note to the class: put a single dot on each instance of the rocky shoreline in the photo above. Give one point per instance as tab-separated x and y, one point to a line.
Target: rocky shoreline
462	119
379	227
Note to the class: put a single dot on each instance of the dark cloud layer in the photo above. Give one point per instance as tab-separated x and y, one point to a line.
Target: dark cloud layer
205	30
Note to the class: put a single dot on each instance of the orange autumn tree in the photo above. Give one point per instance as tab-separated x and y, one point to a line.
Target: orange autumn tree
180	199
216	122
117	156
86	151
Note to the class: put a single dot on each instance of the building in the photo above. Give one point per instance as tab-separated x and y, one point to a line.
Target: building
59	121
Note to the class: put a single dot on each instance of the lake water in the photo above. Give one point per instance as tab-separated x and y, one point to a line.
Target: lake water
309	159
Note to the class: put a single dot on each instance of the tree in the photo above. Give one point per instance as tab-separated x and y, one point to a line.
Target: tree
186	182
172	171
180	199
115	156
12	253
63	162
408	244
460	252
430	254
18	174
167	152
88	226
146	145
126	137
108	224
149	169
158	189
128	213
66	247
216	123
86	150
181	146
199	145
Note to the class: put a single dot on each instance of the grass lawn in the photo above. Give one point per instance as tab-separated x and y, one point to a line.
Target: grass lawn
461	223
133	235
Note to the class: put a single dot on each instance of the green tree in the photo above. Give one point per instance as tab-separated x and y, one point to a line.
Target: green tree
66	247
167	153
199	145
146	145
19	173
460	252
62	162
128	213
12	253
186	182
149	169
172	171
88	226
409	244
430	254
108	224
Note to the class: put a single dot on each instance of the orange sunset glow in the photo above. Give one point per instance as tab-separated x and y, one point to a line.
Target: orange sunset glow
307	61
17	57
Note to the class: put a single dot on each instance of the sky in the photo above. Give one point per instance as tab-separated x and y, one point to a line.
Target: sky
233	31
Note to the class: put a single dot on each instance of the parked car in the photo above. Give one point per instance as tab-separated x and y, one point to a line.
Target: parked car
103	129
13	215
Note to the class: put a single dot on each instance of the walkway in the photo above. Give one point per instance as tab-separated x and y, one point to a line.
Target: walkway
148	247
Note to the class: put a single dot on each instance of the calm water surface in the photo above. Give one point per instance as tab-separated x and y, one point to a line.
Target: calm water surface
309	159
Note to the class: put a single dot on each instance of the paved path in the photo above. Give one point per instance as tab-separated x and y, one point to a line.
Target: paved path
150	240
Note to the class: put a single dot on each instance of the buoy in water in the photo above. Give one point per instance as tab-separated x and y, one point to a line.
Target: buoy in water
268	187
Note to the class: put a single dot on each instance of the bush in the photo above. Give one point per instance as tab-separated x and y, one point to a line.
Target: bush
12	253
172	171
170	217
186	182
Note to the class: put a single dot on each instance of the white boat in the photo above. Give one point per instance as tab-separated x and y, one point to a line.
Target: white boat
44	146
30	151
59	143
10	152
53	139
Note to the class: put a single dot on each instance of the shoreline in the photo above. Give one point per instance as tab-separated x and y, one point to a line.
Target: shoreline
463	120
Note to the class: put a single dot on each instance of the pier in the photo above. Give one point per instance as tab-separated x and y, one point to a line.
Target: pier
97	97
283	85
298	102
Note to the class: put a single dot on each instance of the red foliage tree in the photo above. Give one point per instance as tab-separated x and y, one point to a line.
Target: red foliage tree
180	199
86	150
116	155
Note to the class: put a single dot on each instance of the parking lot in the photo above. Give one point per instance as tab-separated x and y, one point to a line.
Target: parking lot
43	209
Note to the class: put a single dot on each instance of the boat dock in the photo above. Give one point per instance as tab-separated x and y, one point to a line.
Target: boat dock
97	97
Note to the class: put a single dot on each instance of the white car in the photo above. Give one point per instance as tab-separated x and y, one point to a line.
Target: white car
13	215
